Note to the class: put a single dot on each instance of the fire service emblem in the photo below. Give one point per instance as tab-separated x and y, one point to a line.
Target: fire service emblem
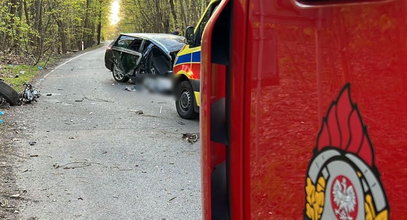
343	181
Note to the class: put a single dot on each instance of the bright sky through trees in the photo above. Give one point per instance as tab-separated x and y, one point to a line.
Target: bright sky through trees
114	12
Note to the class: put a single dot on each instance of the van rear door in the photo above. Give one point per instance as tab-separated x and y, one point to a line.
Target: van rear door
315	110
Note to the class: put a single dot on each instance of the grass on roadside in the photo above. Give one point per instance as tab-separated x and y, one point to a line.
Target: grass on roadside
17	75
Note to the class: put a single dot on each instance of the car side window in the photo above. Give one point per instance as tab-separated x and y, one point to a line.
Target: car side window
136	44
124	41
146	45
202	25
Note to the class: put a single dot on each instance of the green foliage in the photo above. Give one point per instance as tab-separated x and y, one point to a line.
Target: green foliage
40	28
25	74
160	15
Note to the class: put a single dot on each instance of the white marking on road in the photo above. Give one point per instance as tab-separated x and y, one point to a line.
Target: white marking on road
64	64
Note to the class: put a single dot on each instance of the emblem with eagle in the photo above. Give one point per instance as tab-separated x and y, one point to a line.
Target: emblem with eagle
343	181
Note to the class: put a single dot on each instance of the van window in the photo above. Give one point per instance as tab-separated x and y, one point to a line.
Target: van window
124	41
202	25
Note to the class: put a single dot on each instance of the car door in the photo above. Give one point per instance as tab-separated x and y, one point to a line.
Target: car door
120	48
131	56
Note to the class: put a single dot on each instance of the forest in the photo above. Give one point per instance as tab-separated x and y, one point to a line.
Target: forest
32	31
162	16
37	29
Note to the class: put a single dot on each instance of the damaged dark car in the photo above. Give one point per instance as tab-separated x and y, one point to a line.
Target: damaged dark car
139	55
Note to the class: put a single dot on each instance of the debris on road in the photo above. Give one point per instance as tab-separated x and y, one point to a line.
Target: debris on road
34	155
191	138
4	203
7	93
172	199
30	94
15	196
80	100
139	112
73	165
49	94
97	100
131	89
32	143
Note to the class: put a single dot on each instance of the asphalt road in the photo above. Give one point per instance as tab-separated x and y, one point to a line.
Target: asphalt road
96	158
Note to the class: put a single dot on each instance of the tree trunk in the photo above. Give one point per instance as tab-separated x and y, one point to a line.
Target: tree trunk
183	15
99	28
173	12
62	36
86	28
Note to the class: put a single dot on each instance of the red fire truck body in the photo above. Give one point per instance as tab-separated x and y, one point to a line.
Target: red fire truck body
304	110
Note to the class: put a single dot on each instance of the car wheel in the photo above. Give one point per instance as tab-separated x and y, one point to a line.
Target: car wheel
118	75
9	94
185	101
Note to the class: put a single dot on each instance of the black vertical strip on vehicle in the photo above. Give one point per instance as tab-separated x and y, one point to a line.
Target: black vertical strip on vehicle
220	118
220	193
221	45
219	128
221	38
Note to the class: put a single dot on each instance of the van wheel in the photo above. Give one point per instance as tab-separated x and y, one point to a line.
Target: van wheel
9	94
118	75
185	101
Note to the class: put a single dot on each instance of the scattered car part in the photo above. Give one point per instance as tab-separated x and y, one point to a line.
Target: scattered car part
130	89
30	94
9	94
191	138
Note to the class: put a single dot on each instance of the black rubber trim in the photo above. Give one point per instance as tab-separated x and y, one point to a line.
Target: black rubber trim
195	83
219	129
221	50
219	190
221	38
